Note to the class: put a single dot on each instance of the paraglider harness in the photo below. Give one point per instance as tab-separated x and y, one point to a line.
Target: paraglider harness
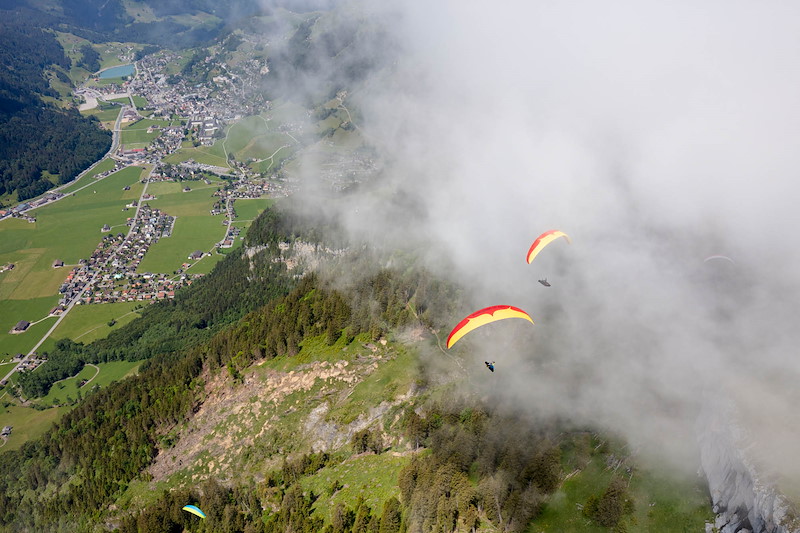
489	365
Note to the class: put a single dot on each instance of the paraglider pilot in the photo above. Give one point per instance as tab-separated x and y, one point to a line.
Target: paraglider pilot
489	365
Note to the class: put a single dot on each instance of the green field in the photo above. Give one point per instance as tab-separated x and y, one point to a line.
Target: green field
207	155
145	123
247	209
241	133
27	423
171	199
102	374
105	113
68	230
87	323
135	134
195	228
258	138
102	166
32	310
109	81
191	233
139	101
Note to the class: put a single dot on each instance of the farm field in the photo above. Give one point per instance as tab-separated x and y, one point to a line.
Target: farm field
195	228
105	113
68	230
139	101
102	166
191	233
135	135
101	374
27	423
248	210
32	310
207	155
87	323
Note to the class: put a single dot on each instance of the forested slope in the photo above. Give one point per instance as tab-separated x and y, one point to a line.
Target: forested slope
444	459
36	137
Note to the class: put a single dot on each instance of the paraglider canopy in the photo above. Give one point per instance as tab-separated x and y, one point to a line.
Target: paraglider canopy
194	510
543	240
714	257
485	316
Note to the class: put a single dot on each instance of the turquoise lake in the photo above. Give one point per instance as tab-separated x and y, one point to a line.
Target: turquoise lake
117	72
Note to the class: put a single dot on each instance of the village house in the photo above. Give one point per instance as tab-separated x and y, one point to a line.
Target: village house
21	326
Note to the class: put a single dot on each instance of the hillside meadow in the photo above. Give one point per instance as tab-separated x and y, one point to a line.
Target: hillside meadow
29	423
87	323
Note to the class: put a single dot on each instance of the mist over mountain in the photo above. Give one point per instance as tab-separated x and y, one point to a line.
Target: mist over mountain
656	137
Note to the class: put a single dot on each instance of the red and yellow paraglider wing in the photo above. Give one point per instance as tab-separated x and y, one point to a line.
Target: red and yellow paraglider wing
543	240
485	316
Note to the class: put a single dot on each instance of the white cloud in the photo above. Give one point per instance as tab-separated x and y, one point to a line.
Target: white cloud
655	134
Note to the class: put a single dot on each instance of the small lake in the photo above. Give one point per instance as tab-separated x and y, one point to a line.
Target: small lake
118	72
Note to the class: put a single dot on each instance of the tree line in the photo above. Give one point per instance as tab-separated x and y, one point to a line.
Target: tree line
36	137
114	434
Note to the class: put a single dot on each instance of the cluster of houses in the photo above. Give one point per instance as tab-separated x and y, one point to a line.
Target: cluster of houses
204	127
180	172
101	175
244	189
230	236
26	366
18	211
235	94
343	170
129	114
30	364
112	267
119	282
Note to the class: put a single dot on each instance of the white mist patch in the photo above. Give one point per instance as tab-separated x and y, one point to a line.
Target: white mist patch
654	135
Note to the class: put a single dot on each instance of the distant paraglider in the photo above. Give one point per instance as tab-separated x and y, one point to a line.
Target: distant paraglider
489	365
485	316
716	257
543	240
194	510
544	282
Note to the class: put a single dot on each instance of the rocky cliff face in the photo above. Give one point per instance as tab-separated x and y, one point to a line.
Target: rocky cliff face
742	500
